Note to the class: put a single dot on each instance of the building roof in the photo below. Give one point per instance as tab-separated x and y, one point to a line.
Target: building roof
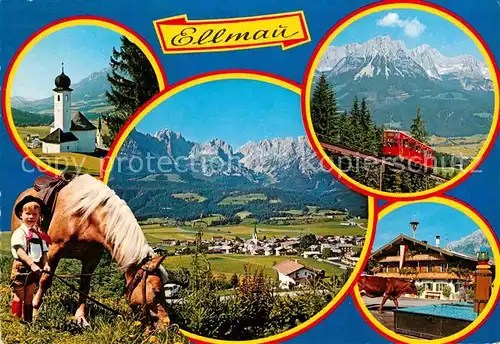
59	136
287	267
62	81
401	238
80	123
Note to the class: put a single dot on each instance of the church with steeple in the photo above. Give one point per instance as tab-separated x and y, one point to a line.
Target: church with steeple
69	132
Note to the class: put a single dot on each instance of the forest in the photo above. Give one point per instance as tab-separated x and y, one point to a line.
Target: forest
357	131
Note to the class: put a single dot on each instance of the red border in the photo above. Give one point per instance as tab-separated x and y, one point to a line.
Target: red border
36	34
309	70
360	307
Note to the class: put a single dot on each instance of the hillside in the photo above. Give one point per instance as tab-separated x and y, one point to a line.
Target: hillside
88	96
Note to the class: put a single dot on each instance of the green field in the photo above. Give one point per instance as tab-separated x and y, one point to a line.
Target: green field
468	146
229	264
24	131
189	197
156	233
5	243
171	177
83	163
244	199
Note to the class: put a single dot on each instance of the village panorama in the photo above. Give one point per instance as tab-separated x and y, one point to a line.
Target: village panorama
294	250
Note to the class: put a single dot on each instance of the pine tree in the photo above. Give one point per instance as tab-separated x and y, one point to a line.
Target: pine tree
357	133
324	111
133	82
417	129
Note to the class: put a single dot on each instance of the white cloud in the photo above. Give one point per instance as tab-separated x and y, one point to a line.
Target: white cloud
412	28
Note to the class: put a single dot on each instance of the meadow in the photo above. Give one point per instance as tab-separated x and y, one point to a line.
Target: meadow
466	146
156	233
70	162
229	264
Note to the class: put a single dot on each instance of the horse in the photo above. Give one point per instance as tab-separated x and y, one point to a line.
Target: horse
89	218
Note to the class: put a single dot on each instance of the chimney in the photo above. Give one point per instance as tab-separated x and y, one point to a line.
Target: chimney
438	240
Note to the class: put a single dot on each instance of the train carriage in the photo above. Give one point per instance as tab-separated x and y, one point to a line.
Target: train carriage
398	144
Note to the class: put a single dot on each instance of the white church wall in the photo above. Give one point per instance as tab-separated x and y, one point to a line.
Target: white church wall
50	148
86	141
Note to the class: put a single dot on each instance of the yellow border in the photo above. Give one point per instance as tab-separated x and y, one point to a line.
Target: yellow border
38	38
371	201
394	6
496	286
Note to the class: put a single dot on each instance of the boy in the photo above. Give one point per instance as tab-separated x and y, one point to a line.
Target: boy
29	246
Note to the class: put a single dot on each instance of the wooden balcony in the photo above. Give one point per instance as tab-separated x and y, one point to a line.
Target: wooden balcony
414	258
424	275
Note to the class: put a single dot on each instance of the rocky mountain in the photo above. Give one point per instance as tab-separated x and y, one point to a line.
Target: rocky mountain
470	244
88	96
454	92
285	170
278	156
273	159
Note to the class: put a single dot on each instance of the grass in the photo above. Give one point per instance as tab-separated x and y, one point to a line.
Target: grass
24	131
5	243
243	199
243	214
157	233
170	177
83	163
468	146
189	197
228	264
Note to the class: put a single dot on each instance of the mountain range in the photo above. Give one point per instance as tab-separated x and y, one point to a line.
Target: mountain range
88	96
454	93
281	168
470	244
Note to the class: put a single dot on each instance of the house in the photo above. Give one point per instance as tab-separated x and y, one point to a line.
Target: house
291	273
69	133
308	254
430	266
348	260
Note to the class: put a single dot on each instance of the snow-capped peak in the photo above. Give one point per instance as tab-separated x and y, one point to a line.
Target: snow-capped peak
385	56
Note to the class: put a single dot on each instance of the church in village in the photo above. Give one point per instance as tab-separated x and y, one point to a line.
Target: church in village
69	132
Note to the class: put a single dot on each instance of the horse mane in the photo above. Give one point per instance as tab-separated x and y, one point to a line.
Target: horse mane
123	233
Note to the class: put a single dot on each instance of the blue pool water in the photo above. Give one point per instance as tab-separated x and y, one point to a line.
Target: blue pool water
459	310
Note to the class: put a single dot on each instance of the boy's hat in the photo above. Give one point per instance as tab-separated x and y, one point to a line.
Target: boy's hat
28	199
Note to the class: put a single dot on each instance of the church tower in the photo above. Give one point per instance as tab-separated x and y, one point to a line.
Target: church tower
254	235
62	102
98	137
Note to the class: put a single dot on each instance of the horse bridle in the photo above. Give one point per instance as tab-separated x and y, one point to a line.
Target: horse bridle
141	274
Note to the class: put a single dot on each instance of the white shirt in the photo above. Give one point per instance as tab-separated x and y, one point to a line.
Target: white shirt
19	239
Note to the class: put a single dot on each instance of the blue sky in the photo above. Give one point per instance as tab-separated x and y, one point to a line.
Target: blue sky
435	219
233	110
415	28
83	49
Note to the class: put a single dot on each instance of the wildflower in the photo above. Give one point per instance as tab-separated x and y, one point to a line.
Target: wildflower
152	339
137	323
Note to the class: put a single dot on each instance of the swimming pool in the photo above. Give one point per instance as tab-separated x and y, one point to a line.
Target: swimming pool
434	321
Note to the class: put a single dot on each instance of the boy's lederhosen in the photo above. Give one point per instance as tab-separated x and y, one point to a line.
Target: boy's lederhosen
21	274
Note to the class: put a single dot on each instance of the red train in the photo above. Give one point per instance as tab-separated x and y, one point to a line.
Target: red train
399	144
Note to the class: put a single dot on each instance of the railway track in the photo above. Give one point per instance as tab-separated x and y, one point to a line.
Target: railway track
395	165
